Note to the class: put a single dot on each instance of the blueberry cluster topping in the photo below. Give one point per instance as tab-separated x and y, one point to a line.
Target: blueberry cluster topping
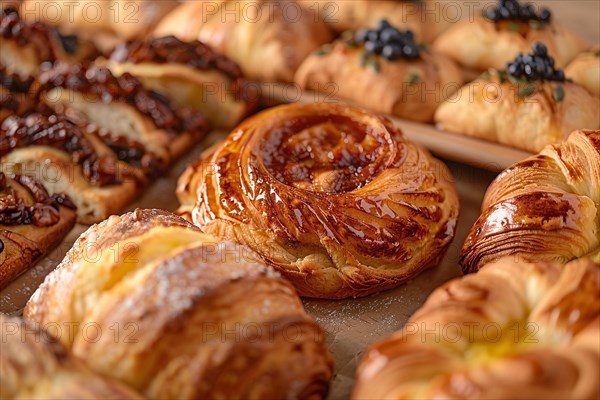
511	10
537	66
388	41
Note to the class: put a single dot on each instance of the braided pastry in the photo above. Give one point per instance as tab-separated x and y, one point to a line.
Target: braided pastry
197	318
546	207
34	365
511	331
332	196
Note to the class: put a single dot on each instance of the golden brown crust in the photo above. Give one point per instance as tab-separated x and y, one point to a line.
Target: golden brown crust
480	45
251	34
514	330
410	89
35	365
421	17
178	296
24	243
546	207
499	111
334	197
585	70
124	19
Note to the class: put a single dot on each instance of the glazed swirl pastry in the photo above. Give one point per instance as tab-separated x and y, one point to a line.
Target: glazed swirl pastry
35	365
546	207
514	330
197	318
332	196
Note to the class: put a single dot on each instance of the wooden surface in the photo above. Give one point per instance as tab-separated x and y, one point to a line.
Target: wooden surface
352	325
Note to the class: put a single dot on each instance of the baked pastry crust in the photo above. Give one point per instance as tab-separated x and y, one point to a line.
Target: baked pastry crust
507	332
31	224
480	45
35	365
546	207
585	70
410	89
335	198
495	109
268	42
181	295
190	74
421	17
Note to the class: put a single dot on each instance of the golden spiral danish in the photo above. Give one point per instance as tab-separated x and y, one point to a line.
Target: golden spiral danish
511	331
334	197
546	207
34	365
155	303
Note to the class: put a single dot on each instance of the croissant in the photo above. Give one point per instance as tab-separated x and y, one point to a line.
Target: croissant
334	197
514	330
546	207
35	365
27	45
190	74
481	44
410	89
421	17
32	223
525	115
194	317
268	39
585	70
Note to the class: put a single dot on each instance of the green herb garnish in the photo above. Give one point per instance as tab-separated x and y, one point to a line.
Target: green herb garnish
526	90
559	93
412	78
325	49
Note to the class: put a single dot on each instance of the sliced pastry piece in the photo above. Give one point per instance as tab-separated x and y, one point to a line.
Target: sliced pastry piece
199	318
334	197
514	330
123	106
424	17
585	70
190	74
505	31
35	365
99	171
26	45
546	207
32	222
528	105
383	69
105	22
268	39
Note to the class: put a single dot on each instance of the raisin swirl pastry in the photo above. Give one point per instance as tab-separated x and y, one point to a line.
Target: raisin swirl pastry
35	365
32	222
199	318
190	74
546	207
514	330
334	197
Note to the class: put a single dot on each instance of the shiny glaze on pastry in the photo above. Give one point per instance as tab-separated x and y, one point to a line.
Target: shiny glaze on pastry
334	197
200	318
585	70
546	207
514	330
